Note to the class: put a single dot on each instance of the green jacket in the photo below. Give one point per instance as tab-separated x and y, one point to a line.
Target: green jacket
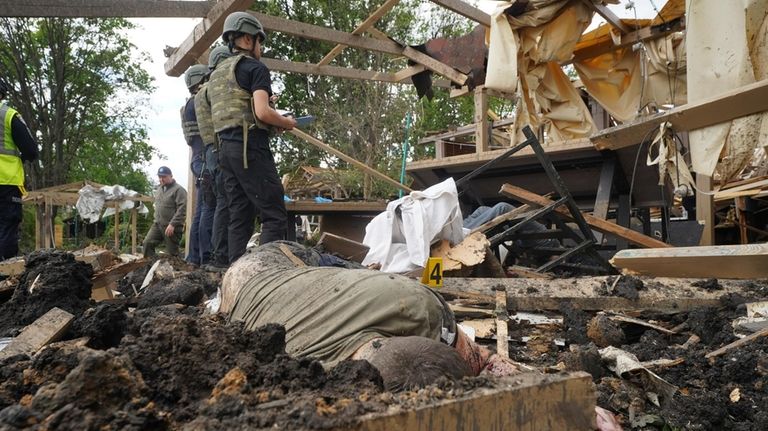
170	205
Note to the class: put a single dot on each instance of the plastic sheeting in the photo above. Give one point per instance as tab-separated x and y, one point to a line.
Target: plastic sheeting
718	61
617	80
529	48
400	238
91	201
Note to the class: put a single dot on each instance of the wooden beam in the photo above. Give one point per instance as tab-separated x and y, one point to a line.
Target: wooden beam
603	226
747	261
115	273
351	160
482	125
309	31
344	247
47	328
105	9
740	102
607	15
526	401
362	28
203	36
409	71
466	10
590	293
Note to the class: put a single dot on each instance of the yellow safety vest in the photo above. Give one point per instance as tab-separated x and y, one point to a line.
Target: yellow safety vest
11	167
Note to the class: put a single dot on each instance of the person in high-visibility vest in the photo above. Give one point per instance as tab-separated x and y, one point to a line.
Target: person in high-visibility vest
16	147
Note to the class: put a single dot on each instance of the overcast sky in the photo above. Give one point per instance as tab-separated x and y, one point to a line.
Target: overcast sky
170	93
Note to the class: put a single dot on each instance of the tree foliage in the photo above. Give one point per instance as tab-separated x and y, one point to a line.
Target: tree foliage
364	119
80	86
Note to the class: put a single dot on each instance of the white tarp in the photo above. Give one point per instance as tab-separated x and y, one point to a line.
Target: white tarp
400	238
92	200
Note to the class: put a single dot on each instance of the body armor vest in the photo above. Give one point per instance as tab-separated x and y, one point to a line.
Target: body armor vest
231	106
203	112
190	128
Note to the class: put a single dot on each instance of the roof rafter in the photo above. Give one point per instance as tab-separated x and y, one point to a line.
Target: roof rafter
362	28
315	32
103	9
465	10
203	36
608	15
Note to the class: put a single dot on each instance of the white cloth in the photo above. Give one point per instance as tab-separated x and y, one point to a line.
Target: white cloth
400	238
91	200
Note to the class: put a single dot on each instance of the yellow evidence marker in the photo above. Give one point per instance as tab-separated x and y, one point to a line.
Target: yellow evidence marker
433	273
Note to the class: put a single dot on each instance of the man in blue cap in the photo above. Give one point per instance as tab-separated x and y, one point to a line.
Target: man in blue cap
170	213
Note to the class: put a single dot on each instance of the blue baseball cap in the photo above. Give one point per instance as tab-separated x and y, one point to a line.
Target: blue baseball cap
164	171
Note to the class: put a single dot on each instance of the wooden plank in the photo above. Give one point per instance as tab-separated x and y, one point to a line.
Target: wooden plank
435	65
524	272
344	247
203	35
104	9
309	31
484	228
737	343
47	328
608	15
292	257
740	102
116	273
352	207
705	209
344	72
482	129
360	29
660	294
134	217
466	10
747	261
409	72
523	402
603	226
363	167
502	317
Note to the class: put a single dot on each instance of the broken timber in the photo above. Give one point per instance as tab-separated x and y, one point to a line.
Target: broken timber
344	247
747	100
748	261
523	402
115	273
47	328
588	293
104	9
597	224
737	343
363	167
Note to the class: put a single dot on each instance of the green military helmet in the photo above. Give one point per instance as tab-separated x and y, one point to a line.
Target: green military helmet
242	22
194	75
217	55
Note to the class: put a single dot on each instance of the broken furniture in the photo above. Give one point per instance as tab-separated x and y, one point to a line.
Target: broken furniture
345	219
584	240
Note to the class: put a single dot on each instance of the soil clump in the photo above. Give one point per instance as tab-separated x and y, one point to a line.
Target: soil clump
51	279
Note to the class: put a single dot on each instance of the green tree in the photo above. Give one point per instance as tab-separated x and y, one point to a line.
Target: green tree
364	119
80	87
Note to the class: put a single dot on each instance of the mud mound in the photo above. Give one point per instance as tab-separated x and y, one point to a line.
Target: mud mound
51	279
731	392
711	325
575	323
187	289
104	324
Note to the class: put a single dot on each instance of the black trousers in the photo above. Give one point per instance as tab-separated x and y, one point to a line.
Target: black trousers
254	191
10	219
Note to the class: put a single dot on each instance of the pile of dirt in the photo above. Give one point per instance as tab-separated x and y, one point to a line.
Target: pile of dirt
173	367
51	279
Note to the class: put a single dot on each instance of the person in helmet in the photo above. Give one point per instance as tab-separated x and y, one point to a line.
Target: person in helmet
200	231
213	180
16	147
240	90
